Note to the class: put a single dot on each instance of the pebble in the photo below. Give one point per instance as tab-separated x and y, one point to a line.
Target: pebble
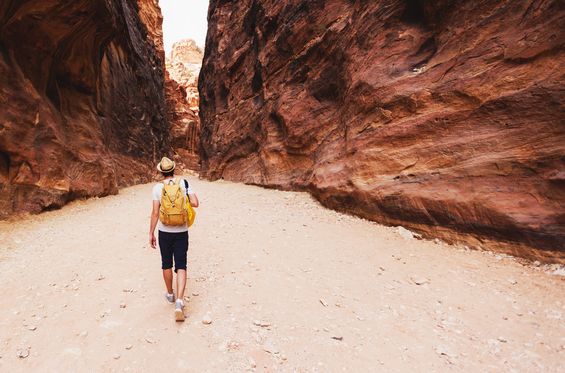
323	303
512	281
262	324
207	319
406	234
419	280
123	305
117	356
22	353
442	350
252	363
195	294
270	348
129	347
338	338
32	327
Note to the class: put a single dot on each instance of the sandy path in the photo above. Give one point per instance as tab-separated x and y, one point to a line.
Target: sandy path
333	292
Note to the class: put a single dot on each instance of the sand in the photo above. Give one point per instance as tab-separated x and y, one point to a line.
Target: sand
281	283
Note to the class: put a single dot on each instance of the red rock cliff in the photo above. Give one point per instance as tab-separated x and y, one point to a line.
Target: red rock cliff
446	117
82	98
183	66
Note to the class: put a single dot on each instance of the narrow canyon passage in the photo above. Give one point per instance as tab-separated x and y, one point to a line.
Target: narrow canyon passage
289	286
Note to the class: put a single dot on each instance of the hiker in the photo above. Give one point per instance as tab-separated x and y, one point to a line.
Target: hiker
173	238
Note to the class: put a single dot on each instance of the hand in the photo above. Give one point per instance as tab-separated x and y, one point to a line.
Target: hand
152	241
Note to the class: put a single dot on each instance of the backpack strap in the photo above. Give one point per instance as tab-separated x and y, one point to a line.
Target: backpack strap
185	186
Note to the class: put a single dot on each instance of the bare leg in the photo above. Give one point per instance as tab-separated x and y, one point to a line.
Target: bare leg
181	283
168	277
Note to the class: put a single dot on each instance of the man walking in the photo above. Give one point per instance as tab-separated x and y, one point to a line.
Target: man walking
173	238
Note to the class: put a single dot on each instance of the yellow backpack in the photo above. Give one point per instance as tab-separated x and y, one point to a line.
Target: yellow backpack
190	213
173	210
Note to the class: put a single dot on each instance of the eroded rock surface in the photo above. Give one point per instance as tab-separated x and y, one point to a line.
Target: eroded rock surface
446	117
183	66
184	126
82	98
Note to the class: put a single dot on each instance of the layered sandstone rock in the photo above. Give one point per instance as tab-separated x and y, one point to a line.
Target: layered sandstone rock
82	98
446	117
183	66
184	126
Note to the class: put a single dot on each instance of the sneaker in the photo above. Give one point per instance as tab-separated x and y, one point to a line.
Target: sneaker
170	298
179	313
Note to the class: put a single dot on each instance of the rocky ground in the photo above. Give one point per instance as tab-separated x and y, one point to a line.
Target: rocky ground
276	283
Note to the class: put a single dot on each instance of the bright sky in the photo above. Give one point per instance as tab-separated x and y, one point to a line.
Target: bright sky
184	19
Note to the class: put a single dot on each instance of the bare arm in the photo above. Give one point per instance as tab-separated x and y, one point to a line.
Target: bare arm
153	224
193	200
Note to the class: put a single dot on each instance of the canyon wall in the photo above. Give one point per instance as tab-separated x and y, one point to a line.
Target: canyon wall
183	66
445	117
82	98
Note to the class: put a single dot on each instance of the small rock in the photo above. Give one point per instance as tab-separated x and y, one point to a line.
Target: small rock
83	334
32	327
405	233
117	356
442	350
323	303
129	347
263	324
100	278
252	363
22	353
382	268
537	263
207	319
502	339
270	348
419	280
512	281
195	294
560	271
149	340
337	338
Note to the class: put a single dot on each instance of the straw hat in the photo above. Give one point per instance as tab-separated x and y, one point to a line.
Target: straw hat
166	165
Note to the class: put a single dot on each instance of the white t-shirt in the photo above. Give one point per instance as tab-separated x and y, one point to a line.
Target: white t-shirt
157	190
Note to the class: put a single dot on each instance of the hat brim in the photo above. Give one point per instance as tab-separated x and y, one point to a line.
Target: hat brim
161	170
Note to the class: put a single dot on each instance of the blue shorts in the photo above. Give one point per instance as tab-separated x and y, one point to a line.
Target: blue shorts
173	245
